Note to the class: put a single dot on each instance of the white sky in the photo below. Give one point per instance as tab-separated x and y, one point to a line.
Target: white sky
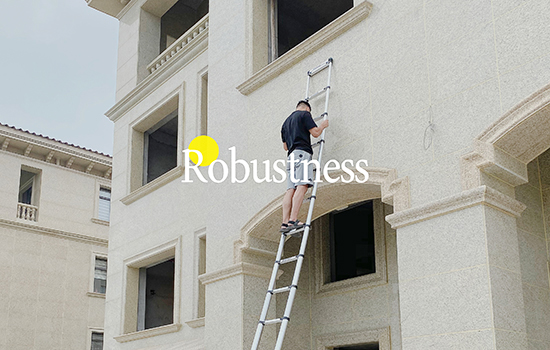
57	70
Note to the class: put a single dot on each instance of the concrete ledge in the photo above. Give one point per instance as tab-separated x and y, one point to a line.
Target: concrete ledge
482	195
148	333
153	185
54	232
235	270
196	323
330	341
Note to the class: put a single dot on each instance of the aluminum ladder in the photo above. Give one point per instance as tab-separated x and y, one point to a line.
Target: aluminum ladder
294	233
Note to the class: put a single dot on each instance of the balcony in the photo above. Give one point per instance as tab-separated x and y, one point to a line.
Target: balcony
27	212
183	44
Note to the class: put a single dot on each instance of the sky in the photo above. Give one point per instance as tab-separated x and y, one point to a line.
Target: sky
58	70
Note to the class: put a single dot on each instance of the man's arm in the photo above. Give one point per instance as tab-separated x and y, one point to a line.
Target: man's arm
318	130
285	146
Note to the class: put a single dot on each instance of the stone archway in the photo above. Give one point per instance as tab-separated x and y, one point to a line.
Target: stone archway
506	147
382	183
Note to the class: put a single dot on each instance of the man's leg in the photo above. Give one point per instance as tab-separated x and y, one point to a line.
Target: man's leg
287	204
297	201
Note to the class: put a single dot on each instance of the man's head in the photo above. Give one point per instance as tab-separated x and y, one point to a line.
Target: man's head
303	105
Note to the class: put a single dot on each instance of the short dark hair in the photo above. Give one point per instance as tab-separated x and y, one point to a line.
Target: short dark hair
303	102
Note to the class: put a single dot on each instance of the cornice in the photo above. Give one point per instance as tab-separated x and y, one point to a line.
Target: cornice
306	47
54	232
481	195
53	145
236	270
159	76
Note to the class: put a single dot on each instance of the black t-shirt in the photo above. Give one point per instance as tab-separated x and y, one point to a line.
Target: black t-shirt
295	131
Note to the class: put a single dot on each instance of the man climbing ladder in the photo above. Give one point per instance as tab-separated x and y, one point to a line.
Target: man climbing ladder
296	228
295	134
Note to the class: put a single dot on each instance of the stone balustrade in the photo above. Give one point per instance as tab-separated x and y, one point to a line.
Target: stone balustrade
200	28
26	211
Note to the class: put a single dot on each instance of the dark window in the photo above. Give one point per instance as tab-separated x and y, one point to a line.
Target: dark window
352	242
160	148
359	347
100	275
179	19
26	185
97	341
156	295
293	21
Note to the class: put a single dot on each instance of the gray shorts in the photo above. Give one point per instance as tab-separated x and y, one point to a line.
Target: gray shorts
304	174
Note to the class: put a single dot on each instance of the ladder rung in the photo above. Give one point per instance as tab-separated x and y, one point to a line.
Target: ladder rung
273	321
283	289
291	259
318	93
319	68
317	144
320	117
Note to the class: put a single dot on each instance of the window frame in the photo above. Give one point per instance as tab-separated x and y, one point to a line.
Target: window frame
92	330
95	218
321	229
94	256
130	290
135	188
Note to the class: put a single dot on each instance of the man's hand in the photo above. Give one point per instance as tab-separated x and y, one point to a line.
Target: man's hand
318	130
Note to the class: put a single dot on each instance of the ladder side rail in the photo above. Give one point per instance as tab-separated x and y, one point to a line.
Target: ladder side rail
269	294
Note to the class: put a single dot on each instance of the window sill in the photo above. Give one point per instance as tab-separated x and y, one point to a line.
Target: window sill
153	185
148	333
306	47
96	295
362	282
196	323
100	222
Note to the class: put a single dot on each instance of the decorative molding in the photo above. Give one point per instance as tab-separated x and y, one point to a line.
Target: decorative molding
53	145
331	341
153	185
28	150
196	323
89	167
100	222
5	144
148	333
306	47
180	46
523	110
96	295
54	232
69	163
161	75
50	156
382	183
236	270
481	195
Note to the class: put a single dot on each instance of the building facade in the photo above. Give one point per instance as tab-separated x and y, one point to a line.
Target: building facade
54	225
444	247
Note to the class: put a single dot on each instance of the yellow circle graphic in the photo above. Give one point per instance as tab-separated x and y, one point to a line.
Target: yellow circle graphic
208	148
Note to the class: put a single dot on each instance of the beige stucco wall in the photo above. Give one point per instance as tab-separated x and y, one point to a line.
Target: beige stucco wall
47	266
460	65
